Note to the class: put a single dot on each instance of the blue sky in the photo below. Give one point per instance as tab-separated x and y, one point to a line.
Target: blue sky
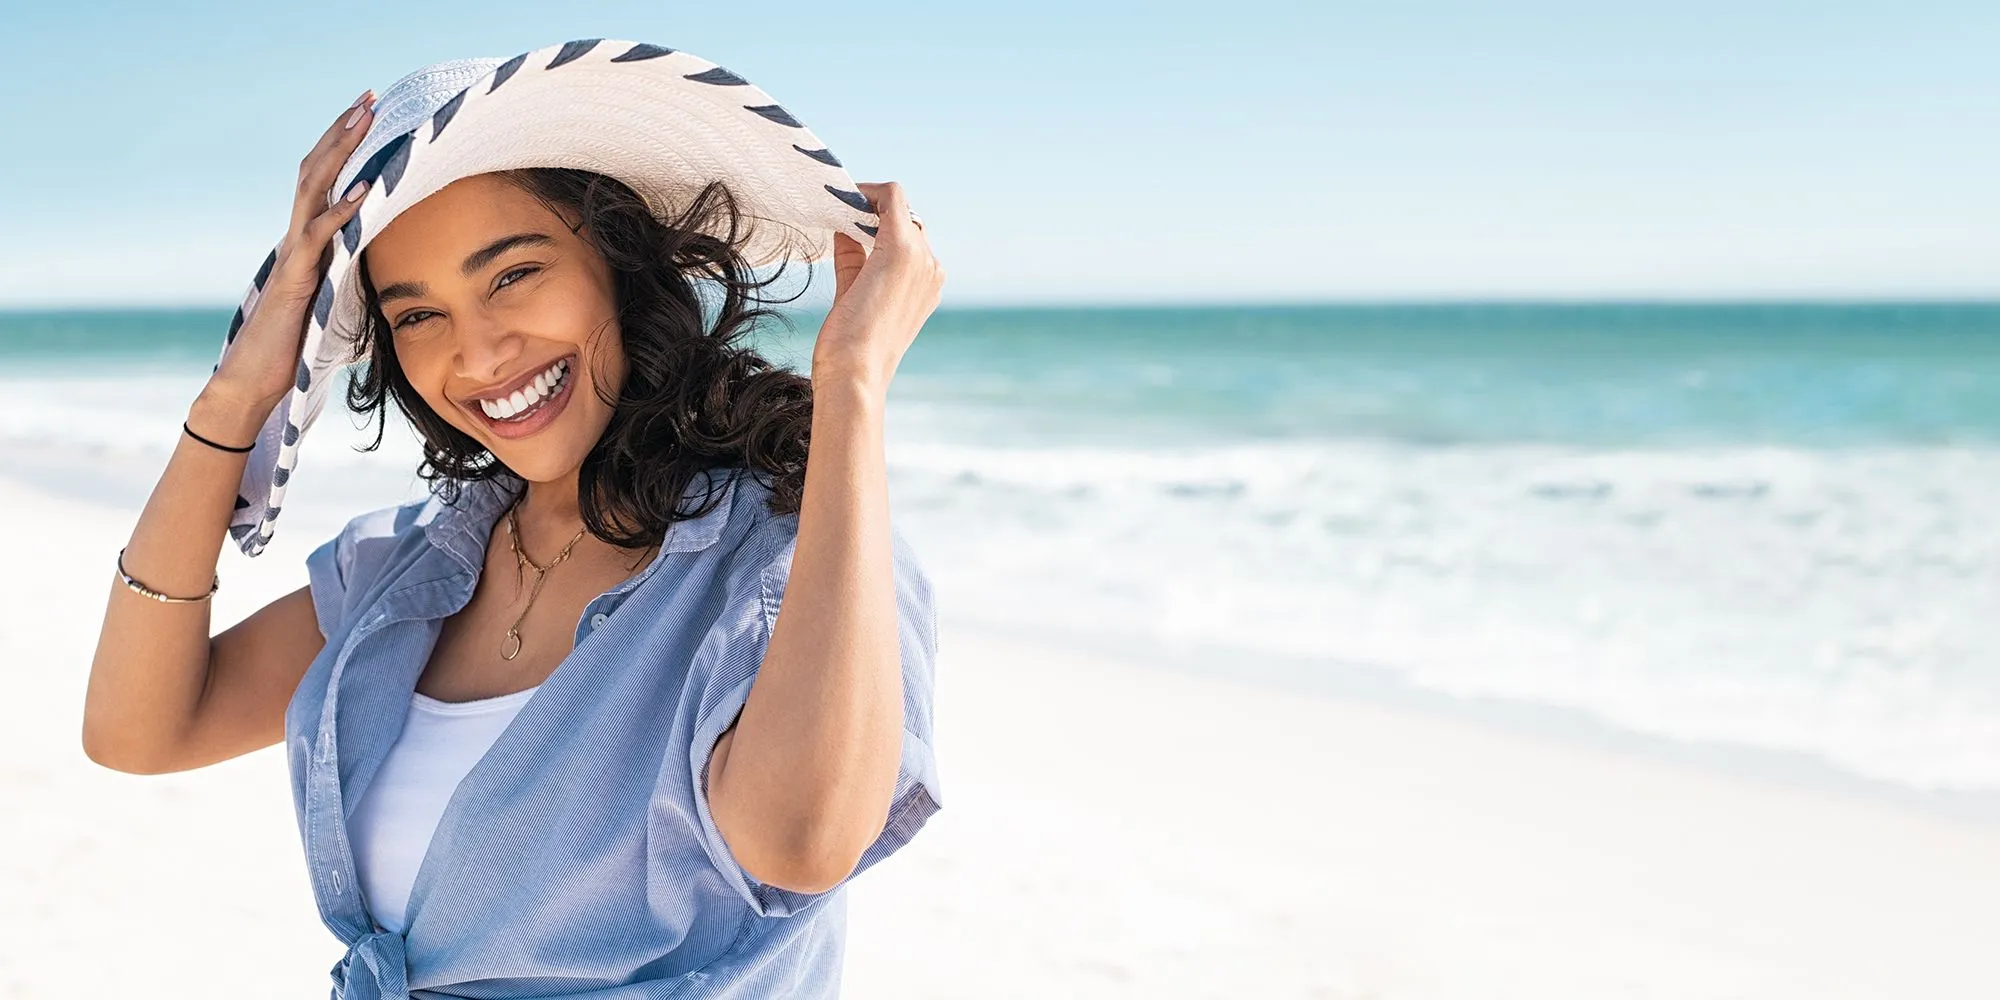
1121	153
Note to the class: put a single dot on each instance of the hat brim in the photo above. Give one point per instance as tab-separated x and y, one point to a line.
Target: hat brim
664	122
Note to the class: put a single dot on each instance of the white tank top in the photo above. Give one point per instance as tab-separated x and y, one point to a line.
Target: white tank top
392	824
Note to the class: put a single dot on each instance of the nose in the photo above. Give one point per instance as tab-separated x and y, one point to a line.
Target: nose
485	348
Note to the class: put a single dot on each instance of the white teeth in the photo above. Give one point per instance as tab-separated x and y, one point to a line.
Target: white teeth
544	384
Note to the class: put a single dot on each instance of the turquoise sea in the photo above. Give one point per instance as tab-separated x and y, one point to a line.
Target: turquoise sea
1758	525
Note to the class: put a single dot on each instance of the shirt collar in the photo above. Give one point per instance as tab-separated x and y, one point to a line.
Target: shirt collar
464	528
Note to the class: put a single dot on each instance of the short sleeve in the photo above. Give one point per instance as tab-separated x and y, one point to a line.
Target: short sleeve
328	569
726	663
341	569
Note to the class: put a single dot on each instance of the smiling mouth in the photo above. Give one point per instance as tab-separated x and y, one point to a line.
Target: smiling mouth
532	408
524	403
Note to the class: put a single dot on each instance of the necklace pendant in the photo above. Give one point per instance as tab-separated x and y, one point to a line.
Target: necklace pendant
515	638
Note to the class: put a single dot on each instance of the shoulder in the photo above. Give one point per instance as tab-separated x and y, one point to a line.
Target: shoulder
732	520
392	521
348	559
741	541
753	533
753	552
373	529
749	499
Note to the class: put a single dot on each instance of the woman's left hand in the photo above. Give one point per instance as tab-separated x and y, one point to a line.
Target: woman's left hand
881	297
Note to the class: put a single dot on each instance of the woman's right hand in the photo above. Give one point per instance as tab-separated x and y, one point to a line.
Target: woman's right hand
261	363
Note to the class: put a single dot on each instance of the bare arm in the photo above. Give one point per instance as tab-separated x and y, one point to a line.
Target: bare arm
801	784
163	695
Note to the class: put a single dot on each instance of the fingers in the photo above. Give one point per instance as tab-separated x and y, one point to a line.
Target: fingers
906	240
908	252
307	249
301	270
848	258
326	223
321	166
892	212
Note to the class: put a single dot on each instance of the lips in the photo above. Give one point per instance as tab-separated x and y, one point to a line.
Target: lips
518	383
535	410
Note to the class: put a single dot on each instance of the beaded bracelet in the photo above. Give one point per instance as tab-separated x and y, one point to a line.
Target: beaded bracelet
140	588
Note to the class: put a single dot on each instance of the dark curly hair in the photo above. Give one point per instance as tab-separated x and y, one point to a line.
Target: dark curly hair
694	398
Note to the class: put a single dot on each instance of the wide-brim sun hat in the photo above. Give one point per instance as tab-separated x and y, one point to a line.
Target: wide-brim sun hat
664	122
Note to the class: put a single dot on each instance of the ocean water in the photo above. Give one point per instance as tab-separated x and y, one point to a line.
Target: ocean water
1767	526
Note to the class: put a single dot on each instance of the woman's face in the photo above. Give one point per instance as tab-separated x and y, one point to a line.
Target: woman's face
487	292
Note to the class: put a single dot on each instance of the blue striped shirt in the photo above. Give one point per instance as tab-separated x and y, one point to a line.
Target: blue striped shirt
578	857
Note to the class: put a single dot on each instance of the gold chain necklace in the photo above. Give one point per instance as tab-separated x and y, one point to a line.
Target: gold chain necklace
541	572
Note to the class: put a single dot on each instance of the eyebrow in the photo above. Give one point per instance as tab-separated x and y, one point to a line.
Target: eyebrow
474	262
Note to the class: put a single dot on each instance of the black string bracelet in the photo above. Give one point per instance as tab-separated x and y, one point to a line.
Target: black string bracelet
214	444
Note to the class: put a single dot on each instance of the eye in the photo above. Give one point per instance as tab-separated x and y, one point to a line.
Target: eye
417	315
523	271
411	317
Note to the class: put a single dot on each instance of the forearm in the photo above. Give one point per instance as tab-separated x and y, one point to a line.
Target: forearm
811	767
151	662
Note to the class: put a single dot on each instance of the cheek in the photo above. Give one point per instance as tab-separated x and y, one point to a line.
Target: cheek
604	360
426	368
565	311
585	317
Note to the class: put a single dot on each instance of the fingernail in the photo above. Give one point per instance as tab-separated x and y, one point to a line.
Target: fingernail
359	107
360	188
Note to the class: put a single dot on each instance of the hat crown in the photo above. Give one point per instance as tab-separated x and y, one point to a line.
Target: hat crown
407	104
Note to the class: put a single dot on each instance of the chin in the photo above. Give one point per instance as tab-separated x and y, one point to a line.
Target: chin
541	461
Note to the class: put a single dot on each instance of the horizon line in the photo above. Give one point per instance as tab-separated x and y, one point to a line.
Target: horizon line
1985	300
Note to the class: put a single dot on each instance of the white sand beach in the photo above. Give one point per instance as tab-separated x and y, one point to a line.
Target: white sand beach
1111	829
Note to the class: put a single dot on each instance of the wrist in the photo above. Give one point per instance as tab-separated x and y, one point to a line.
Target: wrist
833	373
840	392
220	415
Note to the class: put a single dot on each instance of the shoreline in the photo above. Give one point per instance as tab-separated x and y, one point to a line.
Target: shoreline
74	480
1368	684
1114	825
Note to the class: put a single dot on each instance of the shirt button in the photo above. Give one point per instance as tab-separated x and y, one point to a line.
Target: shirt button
597	620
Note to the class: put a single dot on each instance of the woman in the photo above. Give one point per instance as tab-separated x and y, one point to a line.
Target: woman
620	707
